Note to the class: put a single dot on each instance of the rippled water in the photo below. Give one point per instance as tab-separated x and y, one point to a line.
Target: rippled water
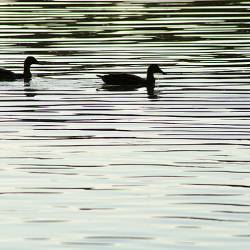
117	170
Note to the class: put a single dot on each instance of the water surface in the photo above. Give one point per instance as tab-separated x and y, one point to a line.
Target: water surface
117	170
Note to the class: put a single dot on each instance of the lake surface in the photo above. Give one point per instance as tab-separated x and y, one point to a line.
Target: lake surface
117	170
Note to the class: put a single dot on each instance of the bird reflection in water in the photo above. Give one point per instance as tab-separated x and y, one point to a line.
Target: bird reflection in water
28	91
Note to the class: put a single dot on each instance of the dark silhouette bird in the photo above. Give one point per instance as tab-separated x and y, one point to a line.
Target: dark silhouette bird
128	82
7	75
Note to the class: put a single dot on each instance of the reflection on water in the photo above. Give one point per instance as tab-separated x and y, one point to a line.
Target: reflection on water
105	169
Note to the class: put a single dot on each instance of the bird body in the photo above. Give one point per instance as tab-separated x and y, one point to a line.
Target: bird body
7	75
124	79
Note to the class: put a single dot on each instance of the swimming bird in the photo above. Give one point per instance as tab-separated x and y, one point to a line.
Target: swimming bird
126	82
7	75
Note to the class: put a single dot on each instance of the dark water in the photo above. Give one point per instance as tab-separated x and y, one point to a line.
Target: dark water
117	170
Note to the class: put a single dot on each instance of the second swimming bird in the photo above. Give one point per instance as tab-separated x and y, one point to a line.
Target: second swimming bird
124	81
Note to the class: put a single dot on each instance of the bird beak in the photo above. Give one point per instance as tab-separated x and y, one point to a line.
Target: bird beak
160	71
42	62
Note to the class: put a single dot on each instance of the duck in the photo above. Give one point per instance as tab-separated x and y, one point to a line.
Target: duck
7	75
127	82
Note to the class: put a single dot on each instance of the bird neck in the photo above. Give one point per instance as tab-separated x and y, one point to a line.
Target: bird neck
150	78
150	90
151	84
26	71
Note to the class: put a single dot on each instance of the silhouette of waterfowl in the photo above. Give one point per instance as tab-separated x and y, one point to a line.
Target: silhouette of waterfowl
7	75
128	82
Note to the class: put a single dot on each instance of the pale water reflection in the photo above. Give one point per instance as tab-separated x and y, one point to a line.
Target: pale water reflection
116	170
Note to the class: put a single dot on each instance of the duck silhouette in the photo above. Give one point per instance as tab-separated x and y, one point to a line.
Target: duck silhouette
7	75
128	82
